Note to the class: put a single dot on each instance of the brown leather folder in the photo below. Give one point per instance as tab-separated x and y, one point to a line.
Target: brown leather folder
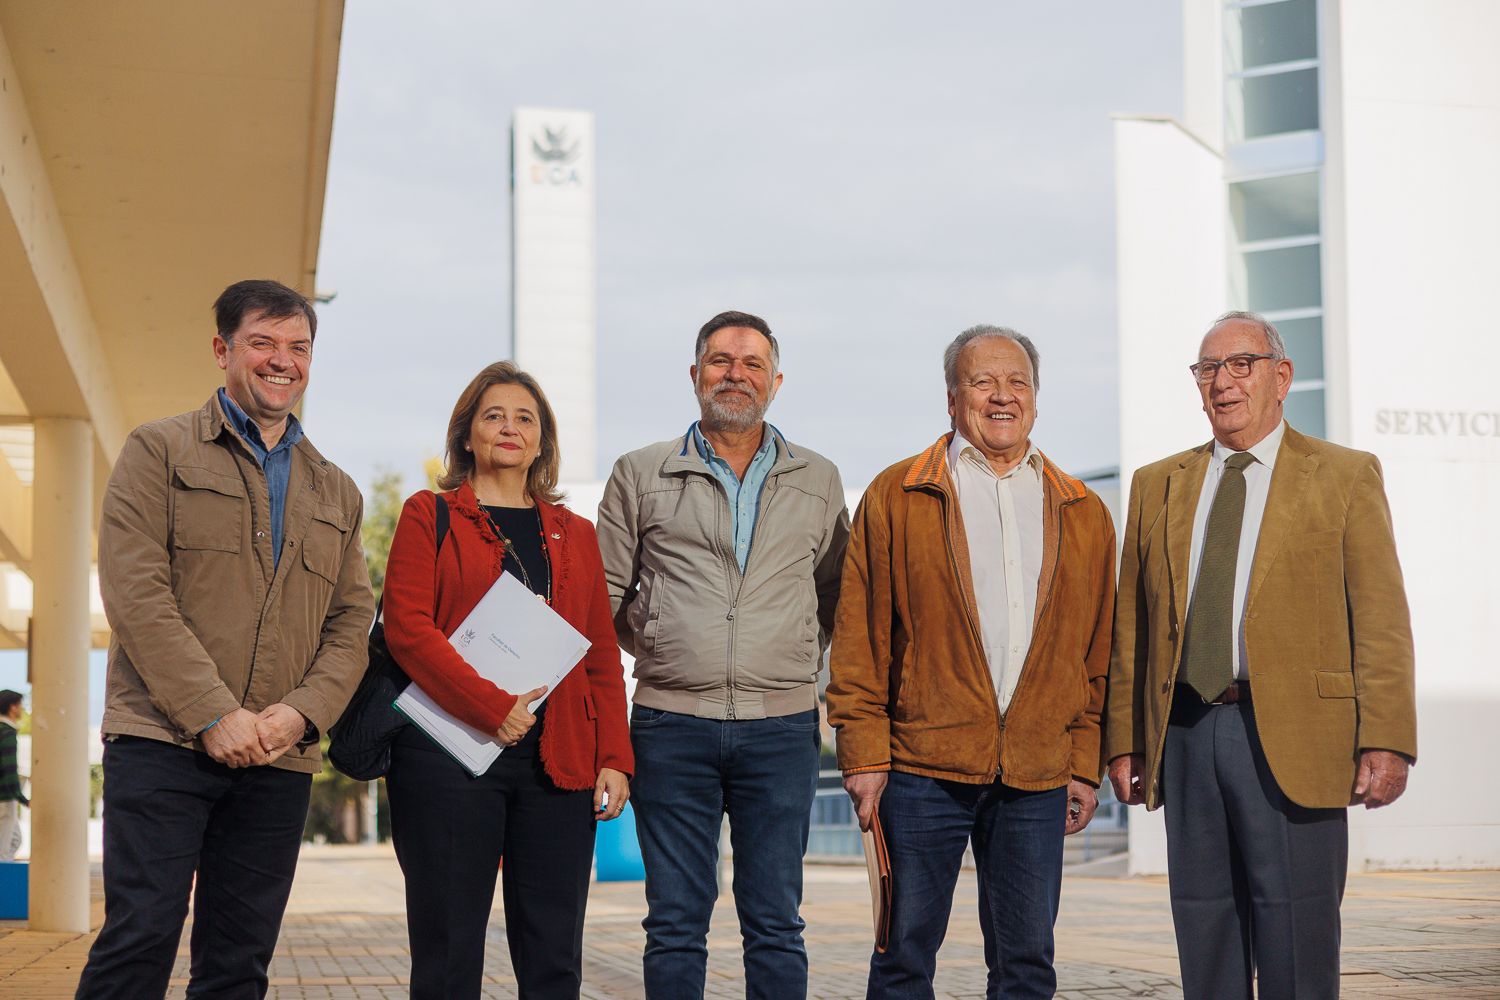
878	864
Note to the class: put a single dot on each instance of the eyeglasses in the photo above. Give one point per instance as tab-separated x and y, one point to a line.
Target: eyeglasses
1239	365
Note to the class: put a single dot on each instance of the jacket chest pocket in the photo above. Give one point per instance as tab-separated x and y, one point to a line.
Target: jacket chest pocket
208	509
323	548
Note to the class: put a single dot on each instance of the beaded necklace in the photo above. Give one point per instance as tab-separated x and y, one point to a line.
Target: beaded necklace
509	547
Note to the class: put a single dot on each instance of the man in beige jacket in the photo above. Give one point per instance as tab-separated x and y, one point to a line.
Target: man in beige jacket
235	585
722	549
1262	676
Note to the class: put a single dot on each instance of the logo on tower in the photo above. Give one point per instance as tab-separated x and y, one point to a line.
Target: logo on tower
555	154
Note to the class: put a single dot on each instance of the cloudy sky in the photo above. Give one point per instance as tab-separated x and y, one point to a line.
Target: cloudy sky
869	176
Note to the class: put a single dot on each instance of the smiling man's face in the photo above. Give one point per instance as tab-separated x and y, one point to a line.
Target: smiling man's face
994	403
265	364
735	379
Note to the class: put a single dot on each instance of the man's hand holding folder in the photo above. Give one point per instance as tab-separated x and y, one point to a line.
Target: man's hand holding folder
865	790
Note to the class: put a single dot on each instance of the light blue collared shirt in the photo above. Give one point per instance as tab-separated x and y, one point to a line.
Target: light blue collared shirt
276	463
744	496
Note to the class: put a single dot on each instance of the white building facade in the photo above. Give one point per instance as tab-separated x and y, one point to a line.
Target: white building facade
1335	170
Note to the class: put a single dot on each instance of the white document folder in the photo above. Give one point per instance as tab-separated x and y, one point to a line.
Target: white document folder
513	639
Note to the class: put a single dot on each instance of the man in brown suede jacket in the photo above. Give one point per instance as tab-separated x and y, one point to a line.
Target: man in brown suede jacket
968	672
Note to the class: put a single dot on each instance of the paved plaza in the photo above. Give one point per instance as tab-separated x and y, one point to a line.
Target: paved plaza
1409	934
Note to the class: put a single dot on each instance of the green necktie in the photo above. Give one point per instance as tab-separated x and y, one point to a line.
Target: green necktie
1208	644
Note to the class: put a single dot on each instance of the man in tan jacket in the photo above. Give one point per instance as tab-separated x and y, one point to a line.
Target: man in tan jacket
722	549
1262	678
968	672
235	585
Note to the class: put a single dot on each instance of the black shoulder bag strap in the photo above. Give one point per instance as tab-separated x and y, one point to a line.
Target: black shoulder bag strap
360	742
441	533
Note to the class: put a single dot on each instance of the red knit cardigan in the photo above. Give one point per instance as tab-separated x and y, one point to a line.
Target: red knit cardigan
586	727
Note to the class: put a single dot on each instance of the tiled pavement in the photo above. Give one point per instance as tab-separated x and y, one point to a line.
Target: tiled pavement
1411	935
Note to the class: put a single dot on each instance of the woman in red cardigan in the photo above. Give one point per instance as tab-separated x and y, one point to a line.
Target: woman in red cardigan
563	767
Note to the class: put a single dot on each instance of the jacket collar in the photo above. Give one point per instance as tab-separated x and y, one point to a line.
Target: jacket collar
212	422
929	470
685	458
211	419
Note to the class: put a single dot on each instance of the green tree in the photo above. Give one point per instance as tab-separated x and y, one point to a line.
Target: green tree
382	511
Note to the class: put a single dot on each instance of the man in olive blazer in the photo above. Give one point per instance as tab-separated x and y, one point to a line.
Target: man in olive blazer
1319	710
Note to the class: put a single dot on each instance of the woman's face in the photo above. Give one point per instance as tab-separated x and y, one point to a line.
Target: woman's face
506	432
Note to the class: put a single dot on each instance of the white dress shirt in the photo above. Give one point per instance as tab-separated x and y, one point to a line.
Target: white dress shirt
1257	487
1003	523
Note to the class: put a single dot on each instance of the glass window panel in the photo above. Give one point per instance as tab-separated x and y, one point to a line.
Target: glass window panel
1280	102
1291	278
1275	208
1278	32
1304	344
1304	410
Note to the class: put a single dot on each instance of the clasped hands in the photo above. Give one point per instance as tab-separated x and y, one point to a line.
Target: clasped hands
246	739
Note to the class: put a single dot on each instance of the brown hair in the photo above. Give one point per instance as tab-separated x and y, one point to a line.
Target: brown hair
541	478
265	298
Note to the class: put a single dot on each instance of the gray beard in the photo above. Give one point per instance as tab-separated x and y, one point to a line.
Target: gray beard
717	416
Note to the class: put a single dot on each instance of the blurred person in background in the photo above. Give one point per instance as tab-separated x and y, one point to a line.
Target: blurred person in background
11	796
564	767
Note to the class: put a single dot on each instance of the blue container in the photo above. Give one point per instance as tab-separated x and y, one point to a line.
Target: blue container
13	898
617	852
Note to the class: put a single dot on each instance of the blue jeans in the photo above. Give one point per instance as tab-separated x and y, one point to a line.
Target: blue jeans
1018	847
689	772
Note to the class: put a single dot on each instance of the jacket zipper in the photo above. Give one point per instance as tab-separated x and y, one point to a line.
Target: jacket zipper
736	582
736	577
973	624
1051	586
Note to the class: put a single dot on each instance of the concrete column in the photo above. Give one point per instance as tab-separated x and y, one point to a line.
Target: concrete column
62	495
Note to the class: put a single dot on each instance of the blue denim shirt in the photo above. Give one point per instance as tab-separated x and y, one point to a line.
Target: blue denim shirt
744	497
276	463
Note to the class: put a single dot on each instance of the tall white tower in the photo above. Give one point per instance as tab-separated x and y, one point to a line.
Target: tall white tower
552	270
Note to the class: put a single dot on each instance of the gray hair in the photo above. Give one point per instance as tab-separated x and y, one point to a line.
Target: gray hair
1274	344
736	318
953	350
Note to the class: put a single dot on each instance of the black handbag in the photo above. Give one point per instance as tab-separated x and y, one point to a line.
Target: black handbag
359	744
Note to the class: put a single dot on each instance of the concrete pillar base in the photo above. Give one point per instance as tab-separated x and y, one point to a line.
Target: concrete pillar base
62	495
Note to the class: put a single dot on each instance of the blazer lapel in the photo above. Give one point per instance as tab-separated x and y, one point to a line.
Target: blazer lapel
1289	484
1183	488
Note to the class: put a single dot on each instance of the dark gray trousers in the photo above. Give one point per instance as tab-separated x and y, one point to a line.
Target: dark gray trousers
1256	880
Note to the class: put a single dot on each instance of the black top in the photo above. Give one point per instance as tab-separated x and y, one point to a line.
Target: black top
523	527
